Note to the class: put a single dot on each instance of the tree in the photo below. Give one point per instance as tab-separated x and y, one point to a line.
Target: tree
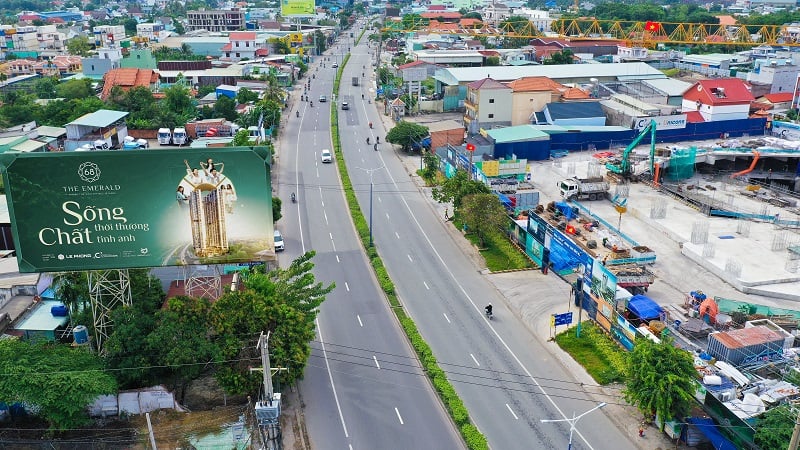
179	29
75	89
284	302
660	379
225	107
562	57
45	87
483	214
130	26
430	167
407	134
182	341
774	427
59	380
277	204
242	139
18	109
246	96
454	189
79	45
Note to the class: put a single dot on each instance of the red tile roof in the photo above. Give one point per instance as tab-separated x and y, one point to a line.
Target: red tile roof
227	47
242	36
535	84
489	52
442	26
127	78
720	91
262	52
411	64
442	14
436	8
779	97
487	83
694	117
469	22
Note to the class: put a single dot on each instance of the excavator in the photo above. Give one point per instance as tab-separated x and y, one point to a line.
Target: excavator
623	167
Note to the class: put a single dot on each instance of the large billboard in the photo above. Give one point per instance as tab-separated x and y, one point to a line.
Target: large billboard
297	8
141	208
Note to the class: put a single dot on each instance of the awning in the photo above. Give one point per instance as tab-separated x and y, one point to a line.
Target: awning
709	429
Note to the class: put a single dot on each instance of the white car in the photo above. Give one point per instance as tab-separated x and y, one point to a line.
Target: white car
326	156
278	237
323	99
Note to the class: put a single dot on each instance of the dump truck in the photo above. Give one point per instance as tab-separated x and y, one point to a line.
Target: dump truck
583	188
633	277
355	81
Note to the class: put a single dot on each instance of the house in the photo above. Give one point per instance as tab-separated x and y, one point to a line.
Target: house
572	114
494	13
103	125
779	74
775	102
127	79
430	68
487	103
532	94
153	32
717	99
243	46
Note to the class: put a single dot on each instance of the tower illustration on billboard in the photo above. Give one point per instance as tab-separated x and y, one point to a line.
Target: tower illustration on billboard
207	213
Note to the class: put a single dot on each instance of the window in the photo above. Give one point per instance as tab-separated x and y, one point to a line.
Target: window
238	55
237	43
247	44
491	116
92	67
491	100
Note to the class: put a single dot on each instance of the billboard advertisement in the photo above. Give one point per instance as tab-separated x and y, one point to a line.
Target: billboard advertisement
141	208
297	8
671	122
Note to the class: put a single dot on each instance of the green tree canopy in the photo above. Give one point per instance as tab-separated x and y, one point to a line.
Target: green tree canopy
79	45
246	96
407	134
774	428
75	89
45	87
283	302
225	107
454	189
59	380
483	214
660	379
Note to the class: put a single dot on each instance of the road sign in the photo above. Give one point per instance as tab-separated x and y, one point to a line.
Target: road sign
562	319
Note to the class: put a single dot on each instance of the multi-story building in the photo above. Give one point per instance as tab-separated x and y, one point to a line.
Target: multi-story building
108	35
106	60
22	39
488	102
244	45
153	32
780	74
51	39
215	20
717	99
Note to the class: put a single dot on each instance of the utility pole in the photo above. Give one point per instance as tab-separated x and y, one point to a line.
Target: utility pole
268	411
573	421
370	172
150	431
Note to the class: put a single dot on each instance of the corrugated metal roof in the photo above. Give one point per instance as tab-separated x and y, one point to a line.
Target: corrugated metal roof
555	72
444	125
669	86
746	337
517	134
99	118
28	146
48	131
41	319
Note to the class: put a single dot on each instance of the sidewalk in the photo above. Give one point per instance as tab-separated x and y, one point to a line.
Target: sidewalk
553	296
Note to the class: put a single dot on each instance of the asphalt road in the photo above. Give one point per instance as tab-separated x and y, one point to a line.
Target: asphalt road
363	388
507	379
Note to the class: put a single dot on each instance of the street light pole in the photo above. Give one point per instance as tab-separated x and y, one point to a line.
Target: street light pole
573	421
370	172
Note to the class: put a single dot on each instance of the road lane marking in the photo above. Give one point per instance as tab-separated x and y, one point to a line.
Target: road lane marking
359	320
347	286
379	199
446	318
337	259
479	309
426	285
330	377
387	216
376	363
333	244
476	361
409	258
512	412
326	217
331	235
399	416
397	234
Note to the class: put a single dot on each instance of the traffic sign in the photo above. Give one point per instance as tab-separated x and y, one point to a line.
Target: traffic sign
562	319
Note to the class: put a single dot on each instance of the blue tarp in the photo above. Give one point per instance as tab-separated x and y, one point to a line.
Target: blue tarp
644	307
709	429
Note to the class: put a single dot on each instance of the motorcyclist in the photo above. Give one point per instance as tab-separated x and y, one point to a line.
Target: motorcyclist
294	198
298	113
488	309
370	124
312	103
375	147
362	96
377	139
367	141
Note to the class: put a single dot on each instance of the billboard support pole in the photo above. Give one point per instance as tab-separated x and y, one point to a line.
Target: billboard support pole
107	289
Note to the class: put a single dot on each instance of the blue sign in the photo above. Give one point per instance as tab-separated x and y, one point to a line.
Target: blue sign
562	319
380	90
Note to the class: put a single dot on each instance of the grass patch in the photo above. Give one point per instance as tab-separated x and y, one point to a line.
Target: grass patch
499	254
602	358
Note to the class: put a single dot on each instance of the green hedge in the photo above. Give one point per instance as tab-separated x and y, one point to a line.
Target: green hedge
452	402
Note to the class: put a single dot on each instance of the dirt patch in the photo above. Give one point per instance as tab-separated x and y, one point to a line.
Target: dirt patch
173	429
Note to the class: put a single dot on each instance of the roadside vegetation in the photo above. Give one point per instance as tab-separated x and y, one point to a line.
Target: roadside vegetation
602	358
474	439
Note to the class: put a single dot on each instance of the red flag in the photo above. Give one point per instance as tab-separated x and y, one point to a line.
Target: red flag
652	26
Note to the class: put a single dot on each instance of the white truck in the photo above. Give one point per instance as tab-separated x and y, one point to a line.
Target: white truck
179	136
164	136
583	188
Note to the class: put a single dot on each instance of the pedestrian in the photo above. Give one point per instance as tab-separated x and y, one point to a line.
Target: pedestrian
446	214
641	430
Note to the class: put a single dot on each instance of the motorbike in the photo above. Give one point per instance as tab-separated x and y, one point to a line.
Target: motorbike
370	125
488	312
377	139
313	76
294	198
367	141
375	147
298	114
312	104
